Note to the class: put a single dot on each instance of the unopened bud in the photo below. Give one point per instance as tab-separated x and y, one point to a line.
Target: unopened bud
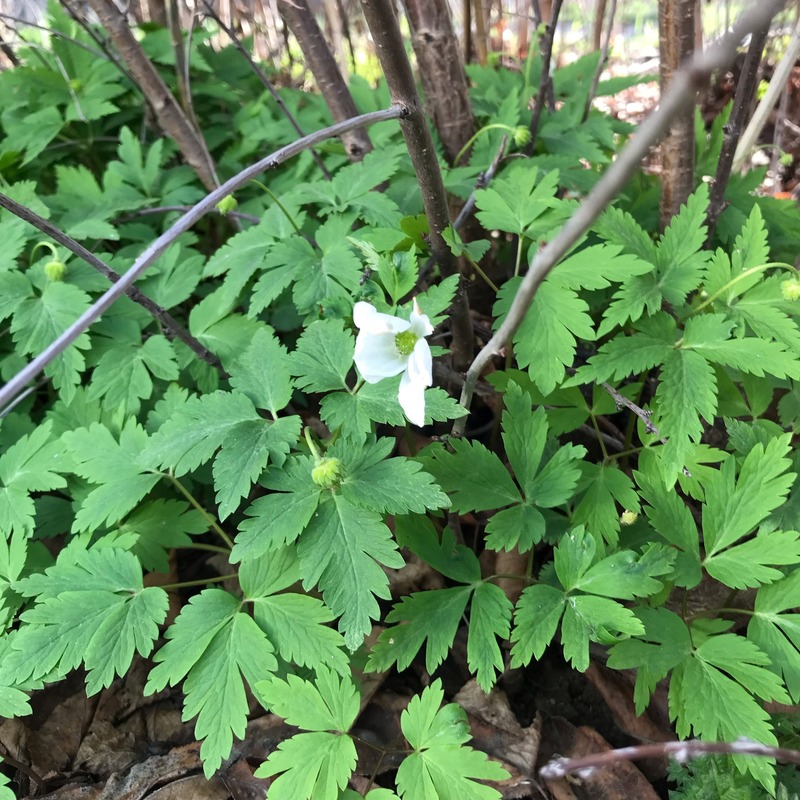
55	270
227	204
791	289
628	517
522	136
328	473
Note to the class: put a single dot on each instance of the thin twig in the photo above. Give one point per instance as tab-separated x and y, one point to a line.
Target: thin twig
681	92
602	61
644	416
151	253
52	32
146	212
172	328
680	751
545	82
266	83
745	90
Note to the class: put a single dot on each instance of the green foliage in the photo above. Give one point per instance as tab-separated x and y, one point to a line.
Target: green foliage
642	449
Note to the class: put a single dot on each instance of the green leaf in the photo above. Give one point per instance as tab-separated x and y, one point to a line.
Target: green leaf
598	266
714	706
31	464
521	526
573	555
587	618
314	766
429	617
91	607
441	767
323	357
39	321
516	200
735	507
112	464
342	551
391	485
626	575
160	526
539	610
621	228
213	644
329	704
687	393
473	476
776	632
746	565
295	623
607	491
454	561
490	617
665	643
122	376
545	342
263	373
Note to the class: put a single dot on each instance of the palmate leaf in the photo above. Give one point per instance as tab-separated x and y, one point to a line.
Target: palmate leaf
735	507
545	342
269	388
316	765
390	485
607	491
517	200
429	618
226	420
665	643
473	476
91	607
296	624
40	320
711	696
342	551
323	357
31	464
775	628
538	612
441	767
215	646
101	459
122	376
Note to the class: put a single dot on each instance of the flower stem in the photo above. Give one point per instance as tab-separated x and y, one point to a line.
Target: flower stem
170	587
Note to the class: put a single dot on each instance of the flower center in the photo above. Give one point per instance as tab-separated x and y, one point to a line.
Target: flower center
405	342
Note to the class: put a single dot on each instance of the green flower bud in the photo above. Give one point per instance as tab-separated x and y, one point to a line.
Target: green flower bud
791	289
522	136
227	204
76	84
55	270
328	473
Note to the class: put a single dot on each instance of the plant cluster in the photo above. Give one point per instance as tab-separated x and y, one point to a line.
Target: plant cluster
642	462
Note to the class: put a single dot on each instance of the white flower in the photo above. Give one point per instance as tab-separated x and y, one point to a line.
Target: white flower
387	346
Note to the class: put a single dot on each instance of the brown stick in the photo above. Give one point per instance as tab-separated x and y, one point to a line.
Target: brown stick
545	82
680	751
745	91
301	21
441	69
166	108
676	44
385	31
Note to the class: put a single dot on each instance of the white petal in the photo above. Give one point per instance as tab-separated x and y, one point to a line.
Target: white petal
412	399
369	320
420	323
420	364
376	356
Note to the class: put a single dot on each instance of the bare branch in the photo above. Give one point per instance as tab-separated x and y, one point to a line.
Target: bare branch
172	328
151	253
265	82
680	93
302	23
385	31
745	90
680	751
604	51
545	82
167	110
